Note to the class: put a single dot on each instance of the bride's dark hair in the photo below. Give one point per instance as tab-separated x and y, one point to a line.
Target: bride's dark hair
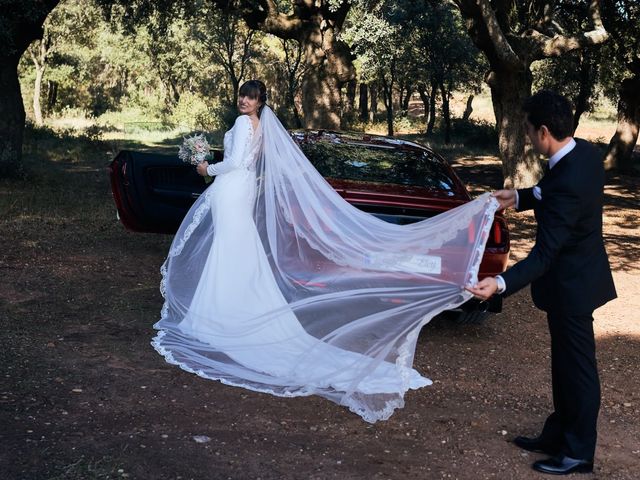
254	89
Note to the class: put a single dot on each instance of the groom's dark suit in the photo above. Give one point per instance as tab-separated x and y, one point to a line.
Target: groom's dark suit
570	277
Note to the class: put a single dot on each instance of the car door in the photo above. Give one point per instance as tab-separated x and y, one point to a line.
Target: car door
154	191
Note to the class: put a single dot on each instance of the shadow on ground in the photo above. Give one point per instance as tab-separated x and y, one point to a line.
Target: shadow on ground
84	396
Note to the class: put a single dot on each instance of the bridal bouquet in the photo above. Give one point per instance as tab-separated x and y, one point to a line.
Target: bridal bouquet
195	150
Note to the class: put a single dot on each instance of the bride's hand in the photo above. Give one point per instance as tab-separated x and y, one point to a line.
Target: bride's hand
202	168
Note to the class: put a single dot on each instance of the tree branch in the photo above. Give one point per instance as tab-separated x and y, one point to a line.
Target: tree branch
559	44
546	23
596	18
264	15
502	47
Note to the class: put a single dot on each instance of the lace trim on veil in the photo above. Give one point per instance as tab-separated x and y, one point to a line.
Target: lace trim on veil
403	362
203	208
288	189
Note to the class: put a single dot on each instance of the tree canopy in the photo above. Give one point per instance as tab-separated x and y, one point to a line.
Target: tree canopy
512	35
181	61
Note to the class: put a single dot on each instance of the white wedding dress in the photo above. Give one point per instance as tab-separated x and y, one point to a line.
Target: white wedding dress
274	283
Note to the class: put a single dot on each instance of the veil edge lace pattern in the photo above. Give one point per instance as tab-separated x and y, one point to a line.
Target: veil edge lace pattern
370	318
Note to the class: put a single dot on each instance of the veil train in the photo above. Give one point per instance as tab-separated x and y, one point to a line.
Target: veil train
309	295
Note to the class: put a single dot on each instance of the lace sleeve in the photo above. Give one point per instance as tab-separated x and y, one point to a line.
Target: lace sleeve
242	133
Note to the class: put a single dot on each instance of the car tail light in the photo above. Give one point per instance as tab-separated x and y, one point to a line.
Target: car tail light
499	236
471	233
497	233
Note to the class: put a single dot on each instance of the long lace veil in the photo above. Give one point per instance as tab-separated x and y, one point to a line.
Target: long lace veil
360	288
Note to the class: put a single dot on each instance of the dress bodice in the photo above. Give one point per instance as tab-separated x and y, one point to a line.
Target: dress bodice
240	149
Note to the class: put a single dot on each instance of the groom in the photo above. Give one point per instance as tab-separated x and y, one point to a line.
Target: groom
569	273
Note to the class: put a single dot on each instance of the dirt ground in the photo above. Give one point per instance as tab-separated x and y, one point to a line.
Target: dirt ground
84	396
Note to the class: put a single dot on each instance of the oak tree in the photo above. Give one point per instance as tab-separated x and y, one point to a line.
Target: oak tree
621	77
21	23
513	34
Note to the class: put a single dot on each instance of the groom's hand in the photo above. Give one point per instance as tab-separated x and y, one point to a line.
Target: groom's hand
485	288
506	198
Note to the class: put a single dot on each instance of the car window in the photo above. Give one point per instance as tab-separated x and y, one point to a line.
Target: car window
378	163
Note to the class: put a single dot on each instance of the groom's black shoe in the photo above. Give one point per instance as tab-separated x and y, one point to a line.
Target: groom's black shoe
563	465
536	444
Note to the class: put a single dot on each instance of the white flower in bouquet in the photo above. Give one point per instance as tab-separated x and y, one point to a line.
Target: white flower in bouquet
195	150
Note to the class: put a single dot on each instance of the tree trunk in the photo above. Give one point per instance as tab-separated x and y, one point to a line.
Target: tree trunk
351	96
293	57
373	108
446	115
586	88
406	100
512	35
620	152
509	90
363	102
291	98
468	109
387	90
390	131
37	89
401	99
432	109
174	90
329	66
397	103
12	118
320	100
297	118
39	53
22	24
422	90
52	95
328	60
235	87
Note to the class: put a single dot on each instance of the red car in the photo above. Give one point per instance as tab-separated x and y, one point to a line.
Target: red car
396	180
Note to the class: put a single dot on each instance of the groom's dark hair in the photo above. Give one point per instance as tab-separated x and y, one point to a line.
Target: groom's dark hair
551	110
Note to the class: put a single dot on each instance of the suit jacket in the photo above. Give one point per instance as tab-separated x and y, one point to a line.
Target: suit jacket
568	267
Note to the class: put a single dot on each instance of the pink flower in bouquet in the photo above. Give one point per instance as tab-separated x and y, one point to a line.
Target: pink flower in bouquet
195	150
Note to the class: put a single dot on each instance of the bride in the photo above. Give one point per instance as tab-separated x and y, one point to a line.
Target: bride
276	284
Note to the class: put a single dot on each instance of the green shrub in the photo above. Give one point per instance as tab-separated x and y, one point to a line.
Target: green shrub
475	133
196	112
